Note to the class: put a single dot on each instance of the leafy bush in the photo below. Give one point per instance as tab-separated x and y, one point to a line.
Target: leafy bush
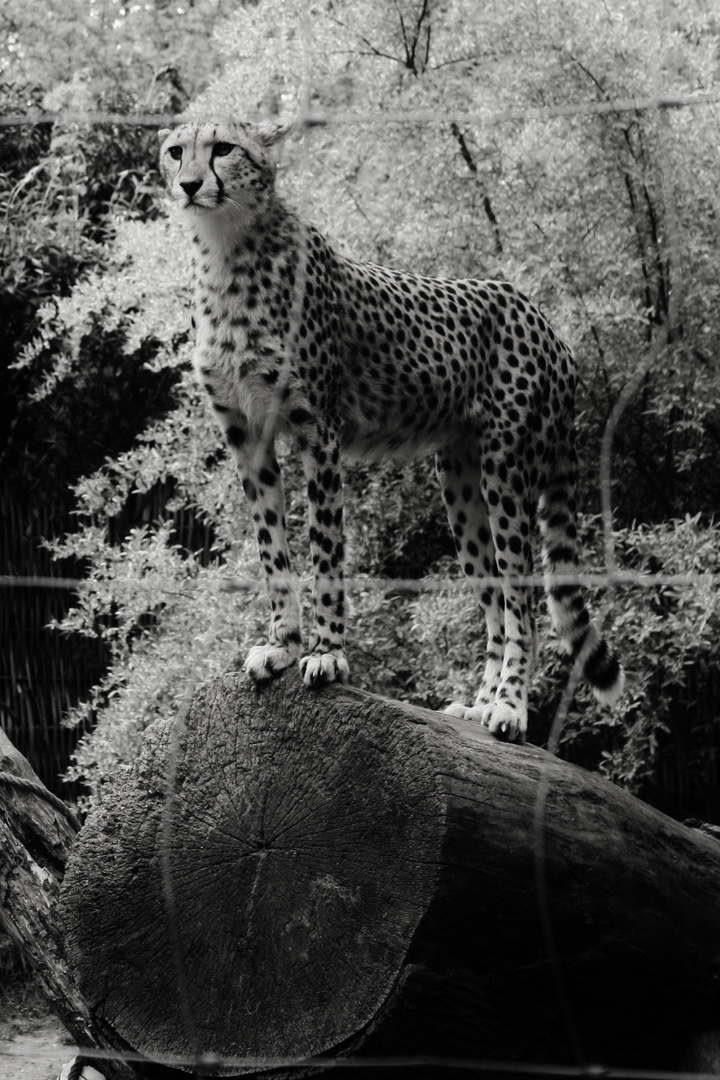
667	631
61	188
63	191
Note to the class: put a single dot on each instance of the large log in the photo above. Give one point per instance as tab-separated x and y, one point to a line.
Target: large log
288	873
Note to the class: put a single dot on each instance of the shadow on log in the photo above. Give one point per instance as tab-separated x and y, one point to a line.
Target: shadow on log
288	874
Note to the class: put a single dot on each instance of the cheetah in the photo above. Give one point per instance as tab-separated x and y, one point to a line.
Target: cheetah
362	360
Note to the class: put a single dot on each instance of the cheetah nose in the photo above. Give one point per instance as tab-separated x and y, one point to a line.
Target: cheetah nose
191	187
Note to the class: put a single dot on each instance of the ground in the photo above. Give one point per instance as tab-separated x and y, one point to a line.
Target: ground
37	1054
33	1043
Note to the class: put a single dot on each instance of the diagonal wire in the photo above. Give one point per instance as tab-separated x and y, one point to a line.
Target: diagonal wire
672	262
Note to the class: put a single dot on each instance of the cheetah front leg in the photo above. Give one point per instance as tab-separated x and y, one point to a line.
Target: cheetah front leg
262	484
325	660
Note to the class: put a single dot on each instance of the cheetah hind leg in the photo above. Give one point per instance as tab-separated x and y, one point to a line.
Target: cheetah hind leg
492	604
318	668
506	716
499	717
458	471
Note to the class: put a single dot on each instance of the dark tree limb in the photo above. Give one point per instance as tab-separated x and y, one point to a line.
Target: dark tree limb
36	837
288	873
472	166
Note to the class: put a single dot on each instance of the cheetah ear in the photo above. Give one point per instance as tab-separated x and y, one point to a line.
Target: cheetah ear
163	134
269	132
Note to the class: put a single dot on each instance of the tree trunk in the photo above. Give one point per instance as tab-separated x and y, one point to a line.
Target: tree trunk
288	873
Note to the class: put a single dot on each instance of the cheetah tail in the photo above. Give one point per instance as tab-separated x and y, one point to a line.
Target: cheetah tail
600	666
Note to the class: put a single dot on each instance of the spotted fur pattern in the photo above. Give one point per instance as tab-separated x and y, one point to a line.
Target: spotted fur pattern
362	360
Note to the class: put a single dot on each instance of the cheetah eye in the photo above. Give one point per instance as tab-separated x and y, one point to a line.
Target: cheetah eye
175	152
222	149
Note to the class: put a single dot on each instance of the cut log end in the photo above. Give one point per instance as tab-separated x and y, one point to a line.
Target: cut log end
254	857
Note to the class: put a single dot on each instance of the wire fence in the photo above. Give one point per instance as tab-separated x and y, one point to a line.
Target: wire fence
609	576
442	1066
313	117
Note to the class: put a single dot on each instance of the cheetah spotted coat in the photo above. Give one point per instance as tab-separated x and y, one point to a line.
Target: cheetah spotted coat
358	359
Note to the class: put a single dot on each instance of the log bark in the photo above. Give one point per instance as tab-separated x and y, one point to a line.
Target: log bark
288	874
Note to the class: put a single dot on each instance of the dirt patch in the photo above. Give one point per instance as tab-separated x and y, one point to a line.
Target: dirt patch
36	1054
33	1043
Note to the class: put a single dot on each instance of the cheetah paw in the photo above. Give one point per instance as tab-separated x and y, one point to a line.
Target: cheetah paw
320	668
504	722
457	709
500	719
266	661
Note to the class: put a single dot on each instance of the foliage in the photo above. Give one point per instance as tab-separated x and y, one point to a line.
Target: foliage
63	190
60	190
482	166
421	642
667	629
160	52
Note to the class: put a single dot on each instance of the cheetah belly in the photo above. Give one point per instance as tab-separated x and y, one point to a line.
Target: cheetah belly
398	430
395	404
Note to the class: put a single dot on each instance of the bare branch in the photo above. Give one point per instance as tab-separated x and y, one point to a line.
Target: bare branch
472	166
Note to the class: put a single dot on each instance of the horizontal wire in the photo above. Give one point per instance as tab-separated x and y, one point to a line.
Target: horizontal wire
9	581
589	579
319	118
593	579
213	1061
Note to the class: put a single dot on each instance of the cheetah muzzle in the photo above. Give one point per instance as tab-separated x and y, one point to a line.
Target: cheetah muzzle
367	361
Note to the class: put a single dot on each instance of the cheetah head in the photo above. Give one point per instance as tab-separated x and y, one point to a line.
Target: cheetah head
213	166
